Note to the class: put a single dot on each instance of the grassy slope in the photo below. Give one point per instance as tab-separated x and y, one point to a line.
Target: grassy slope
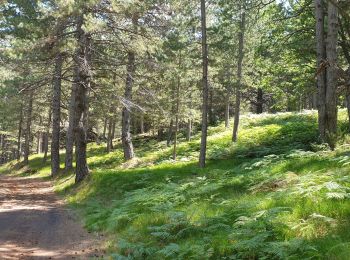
270	196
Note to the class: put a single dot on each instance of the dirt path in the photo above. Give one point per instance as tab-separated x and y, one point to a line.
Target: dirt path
34	224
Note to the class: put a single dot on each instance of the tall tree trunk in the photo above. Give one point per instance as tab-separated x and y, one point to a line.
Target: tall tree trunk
46	136
203	148
239	75
56	115
189	130
19	133
109	137
227	111
82	83
170	132
28	128
321	74
128	147
70	135
105	128
113	132
142	124
39	138
176	117
332	74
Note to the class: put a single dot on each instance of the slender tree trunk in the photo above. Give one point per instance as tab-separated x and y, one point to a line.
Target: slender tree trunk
321	74
189	130
82	83
19	133
105	128
56	116
239	75
170	132
39	137
113	132
142	124
70	135
109	136
176	117
28	128
46	136
128	147
332	74
227	111
203	148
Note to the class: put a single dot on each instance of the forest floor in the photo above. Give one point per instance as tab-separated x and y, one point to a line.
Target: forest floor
35	224
275	194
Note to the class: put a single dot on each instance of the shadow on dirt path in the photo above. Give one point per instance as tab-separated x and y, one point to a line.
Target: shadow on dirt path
34	224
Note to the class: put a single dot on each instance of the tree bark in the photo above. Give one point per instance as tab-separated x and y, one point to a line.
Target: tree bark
46	136
227	111
170	132
203	147
332	74
39	138
189	130
321	74
176	117
109	137
113	132
70	135
19	133
105	128
128	147
239	75
56	115
82	83
28	128
142	124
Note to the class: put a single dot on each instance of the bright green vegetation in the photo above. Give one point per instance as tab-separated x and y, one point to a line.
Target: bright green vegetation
270	196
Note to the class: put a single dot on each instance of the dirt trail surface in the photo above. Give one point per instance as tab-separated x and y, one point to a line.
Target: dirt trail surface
34	224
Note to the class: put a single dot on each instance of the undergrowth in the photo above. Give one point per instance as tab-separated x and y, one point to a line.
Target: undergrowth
276	194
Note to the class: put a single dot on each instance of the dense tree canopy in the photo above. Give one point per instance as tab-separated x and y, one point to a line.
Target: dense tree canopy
75	72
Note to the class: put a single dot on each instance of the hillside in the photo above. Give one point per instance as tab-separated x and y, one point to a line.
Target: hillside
276	194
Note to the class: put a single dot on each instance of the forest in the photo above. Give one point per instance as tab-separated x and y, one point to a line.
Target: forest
175	129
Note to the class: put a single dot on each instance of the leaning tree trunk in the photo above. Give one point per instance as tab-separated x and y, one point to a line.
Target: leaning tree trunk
332	74
82	84
203	147
56	116
239	75
321	68
28	128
